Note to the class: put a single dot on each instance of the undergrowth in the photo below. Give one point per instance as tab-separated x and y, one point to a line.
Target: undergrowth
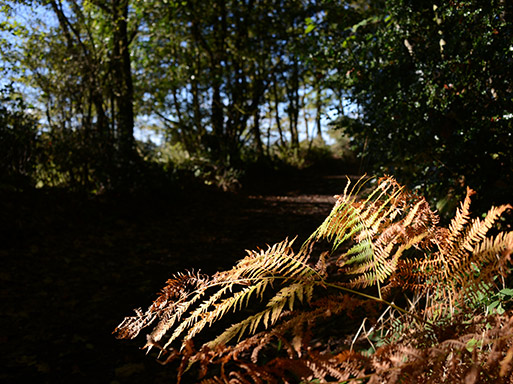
380	293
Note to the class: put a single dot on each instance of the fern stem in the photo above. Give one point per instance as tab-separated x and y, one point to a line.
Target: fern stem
379	300
352	291
348	290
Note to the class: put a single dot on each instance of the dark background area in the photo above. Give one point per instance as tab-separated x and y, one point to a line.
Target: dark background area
74	266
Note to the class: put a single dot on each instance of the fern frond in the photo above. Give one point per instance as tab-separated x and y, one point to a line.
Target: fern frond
274	309
394	223
192	323
479	228
278	260
230	291
347	217
460	219
382	266
465	263
173	298
393	242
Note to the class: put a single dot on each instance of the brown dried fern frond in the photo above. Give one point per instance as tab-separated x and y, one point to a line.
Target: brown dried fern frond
480	352
173	301
463	263
389	241
228	291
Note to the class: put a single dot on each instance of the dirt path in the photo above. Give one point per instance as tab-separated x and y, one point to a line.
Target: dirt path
74	268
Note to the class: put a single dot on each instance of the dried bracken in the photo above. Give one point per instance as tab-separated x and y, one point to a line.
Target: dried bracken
289	305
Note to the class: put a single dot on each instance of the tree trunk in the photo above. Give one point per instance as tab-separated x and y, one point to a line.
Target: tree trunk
123	91
277	111
294	105
257	134
221	141
318	109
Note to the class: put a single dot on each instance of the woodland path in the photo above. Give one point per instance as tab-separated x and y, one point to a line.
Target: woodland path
73	268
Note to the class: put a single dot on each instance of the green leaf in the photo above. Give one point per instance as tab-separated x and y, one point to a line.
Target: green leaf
494	304
507	291
472	344
309	28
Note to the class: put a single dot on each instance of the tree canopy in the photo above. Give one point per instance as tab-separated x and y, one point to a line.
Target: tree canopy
226	82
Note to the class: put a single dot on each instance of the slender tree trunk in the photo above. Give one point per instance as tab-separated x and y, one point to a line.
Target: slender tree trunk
122	79
294	105
257	134
318	109
196	107
277	111
181	125
217	111
307	126
222	142
101	120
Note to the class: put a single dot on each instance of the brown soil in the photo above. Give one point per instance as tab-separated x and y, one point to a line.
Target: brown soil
74	267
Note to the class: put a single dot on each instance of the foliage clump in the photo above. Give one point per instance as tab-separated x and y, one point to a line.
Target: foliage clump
432	86
291	315
18	141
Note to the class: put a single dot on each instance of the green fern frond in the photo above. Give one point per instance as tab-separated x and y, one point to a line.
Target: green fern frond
389	226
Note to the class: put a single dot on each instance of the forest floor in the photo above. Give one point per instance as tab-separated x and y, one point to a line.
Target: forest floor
73	266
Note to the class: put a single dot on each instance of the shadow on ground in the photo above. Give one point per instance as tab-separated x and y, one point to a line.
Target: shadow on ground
73	267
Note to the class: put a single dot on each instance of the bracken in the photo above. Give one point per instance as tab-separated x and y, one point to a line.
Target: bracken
383	246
